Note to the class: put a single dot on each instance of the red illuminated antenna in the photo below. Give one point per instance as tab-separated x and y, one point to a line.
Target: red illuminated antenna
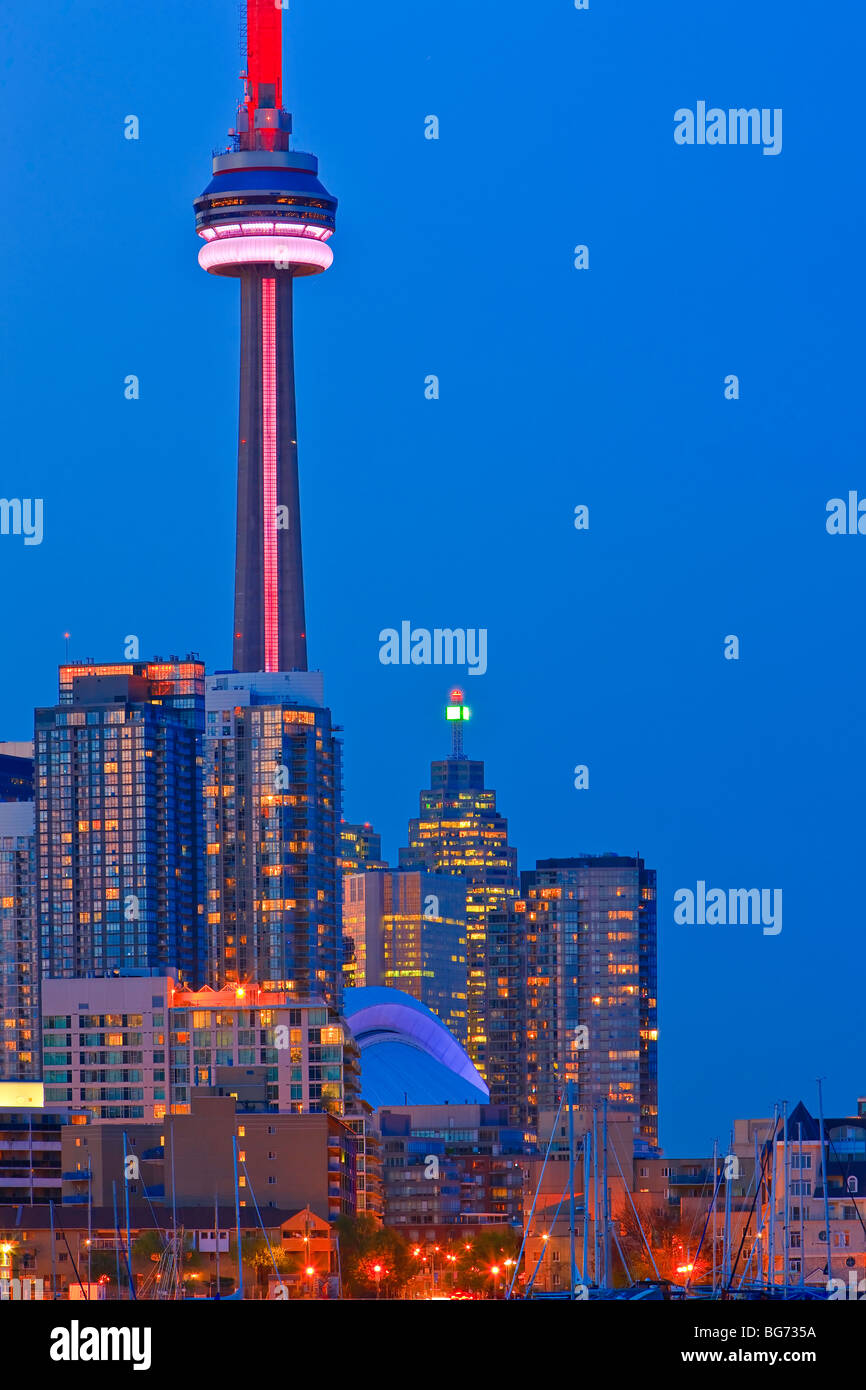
264	71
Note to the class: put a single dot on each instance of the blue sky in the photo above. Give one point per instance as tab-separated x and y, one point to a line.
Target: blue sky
558	387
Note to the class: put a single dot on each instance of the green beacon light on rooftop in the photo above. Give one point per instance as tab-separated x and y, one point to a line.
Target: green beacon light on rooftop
456	713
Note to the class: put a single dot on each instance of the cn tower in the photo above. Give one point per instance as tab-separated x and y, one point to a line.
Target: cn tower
265	218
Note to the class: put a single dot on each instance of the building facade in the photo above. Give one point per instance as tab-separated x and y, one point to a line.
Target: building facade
451	1169
188	1159
360	848
119	825
592	984
16	771
272	790
19	944
805	1239
511	1007
459	831
92	1250
31	1152
137	1048
407	929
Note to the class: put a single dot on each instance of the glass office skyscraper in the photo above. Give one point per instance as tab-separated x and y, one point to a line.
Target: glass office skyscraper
460	831
407	930
360	848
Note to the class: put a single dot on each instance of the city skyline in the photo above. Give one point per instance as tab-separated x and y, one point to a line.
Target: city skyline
701	776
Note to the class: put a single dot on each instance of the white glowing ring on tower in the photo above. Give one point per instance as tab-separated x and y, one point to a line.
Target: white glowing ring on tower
282	251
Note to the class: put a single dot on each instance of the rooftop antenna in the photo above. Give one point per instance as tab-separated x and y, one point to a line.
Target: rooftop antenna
456	714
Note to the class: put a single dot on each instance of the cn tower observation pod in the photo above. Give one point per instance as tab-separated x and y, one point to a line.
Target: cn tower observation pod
266	208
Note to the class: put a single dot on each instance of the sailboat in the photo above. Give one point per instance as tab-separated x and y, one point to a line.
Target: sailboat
595	1180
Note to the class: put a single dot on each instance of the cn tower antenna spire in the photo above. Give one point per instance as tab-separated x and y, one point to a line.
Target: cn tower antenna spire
264	58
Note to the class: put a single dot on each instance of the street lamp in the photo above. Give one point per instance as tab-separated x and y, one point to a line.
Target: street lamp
377	1270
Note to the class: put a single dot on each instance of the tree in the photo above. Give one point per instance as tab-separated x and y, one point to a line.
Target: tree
489	1248
365	1244
261	1259
101	1263
147	1244
673	1243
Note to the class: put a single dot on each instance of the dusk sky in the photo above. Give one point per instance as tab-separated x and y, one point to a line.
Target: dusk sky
559	387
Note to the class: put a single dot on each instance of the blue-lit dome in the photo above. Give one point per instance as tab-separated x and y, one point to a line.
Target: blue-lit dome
408	1057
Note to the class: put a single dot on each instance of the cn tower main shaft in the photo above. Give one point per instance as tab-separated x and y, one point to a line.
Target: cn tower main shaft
269	626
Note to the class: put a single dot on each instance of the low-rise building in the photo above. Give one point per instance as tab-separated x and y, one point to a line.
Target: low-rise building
134	1047
284	1161
450	1169
77	1251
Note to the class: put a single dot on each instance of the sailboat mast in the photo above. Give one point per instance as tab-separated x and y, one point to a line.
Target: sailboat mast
89	1225
771	1267
570	1089
787	1176
173	1188
824	1182
126	1208
758	1179
53	1254
238	1217
802	1190
605	1203
595	1227
586	1144
728	1241
715	1194
116	1235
